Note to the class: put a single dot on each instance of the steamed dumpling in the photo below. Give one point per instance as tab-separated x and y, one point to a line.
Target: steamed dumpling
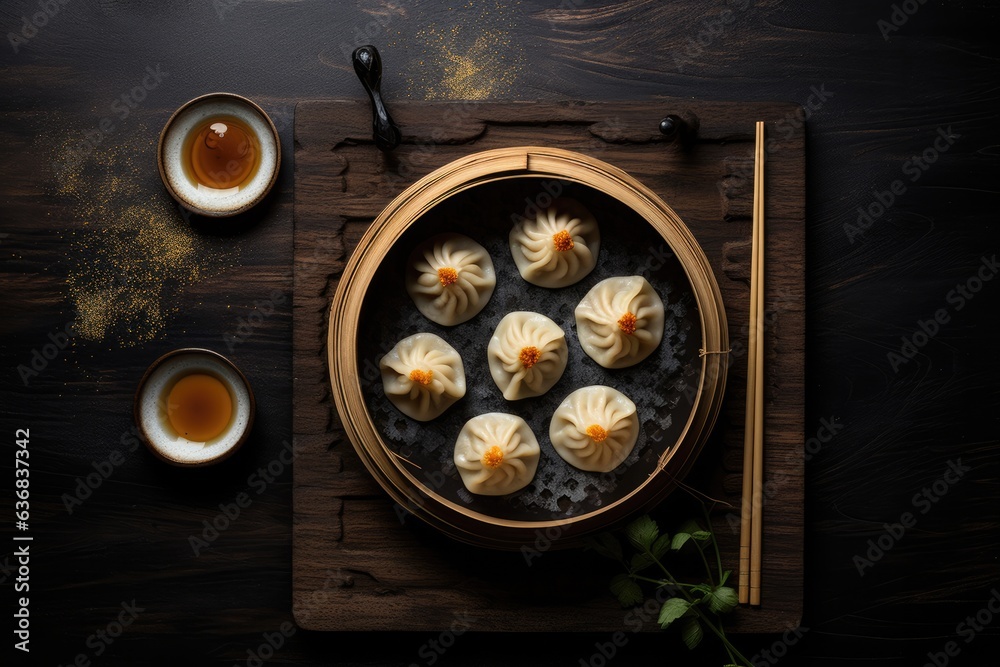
620	321
527	354
450	278
496	454
559	247
595	428
423	376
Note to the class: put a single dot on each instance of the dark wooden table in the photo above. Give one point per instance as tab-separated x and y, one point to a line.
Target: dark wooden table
901	354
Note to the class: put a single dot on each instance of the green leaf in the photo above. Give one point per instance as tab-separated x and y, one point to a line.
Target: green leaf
725	577
673	609
626	590
689	530
703	588
694	529
641	561
691	632
680	539
642	532
689	526
722	600
701	536
661	546
608	546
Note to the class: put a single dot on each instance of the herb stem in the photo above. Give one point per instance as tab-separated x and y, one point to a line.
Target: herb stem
729	647
671	580
729	651
721	634
661	582
708	568
715	543
696	605
704	618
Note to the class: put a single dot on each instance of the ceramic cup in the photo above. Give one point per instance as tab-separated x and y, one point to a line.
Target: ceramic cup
150	408
173	153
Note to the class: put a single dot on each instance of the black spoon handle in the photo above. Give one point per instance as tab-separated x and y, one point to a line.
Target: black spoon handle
680	128
368	67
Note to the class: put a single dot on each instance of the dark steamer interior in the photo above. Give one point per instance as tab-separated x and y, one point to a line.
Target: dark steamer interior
662	386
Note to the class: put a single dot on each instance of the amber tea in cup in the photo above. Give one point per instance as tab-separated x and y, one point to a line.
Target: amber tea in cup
194	407
219	154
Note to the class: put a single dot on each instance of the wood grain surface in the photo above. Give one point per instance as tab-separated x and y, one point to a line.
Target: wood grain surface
878	84
343	519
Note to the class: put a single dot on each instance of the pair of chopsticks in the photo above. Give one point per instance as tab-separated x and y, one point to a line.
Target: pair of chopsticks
753	438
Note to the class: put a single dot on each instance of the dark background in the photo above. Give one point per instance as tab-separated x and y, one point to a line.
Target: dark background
99	243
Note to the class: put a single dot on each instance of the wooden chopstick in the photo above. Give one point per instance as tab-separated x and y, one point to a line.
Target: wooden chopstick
757	523
753	438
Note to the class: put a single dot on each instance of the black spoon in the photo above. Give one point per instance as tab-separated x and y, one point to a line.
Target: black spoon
368	67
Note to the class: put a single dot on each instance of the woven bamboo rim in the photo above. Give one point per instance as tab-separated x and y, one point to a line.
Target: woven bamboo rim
342	354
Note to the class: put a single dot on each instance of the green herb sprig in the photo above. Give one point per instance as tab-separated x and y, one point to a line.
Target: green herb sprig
692	607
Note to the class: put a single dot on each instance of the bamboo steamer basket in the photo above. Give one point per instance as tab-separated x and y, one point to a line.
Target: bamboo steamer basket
404	481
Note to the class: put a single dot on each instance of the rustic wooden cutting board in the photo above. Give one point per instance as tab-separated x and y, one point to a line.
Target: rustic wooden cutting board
359	563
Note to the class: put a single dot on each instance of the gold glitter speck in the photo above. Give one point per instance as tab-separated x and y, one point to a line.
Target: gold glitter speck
476	59
130	263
